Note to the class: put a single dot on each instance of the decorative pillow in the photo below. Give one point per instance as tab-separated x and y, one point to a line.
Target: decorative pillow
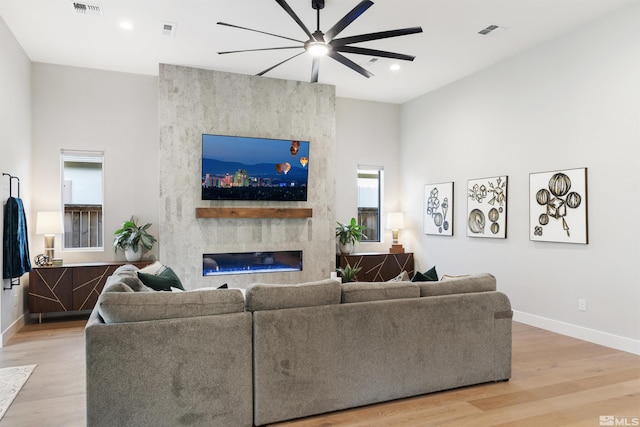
225	286
260	296
370	291
153	268
428	276
161	282
402	277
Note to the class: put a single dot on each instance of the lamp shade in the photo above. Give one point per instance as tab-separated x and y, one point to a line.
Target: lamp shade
49	222
395	220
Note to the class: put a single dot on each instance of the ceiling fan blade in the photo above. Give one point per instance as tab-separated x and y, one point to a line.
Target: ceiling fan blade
315	69
258	50
293	15
374	52
375	36
349	63
261	73
258	31
347	19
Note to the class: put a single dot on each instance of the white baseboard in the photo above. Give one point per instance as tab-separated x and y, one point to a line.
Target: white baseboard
597	337
12	330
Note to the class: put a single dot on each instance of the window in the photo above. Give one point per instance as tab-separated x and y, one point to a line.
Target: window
369	201
82	199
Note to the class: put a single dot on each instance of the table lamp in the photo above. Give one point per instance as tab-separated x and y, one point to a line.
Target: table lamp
49	223
395	222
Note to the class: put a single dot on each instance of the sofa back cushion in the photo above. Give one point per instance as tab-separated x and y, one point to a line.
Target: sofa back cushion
374	291
116	304
262	296
483	282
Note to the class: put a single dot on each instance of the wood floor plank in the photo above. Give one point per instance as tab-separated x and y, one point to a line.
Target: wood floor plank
557	381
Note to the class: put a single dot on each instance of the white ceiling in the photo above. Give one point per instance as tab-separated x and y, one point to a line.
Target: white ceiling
450	47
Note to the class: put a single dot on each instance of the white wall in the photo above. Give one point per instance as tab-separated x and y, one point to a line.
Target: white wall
82	109
367	133
15	146
572	102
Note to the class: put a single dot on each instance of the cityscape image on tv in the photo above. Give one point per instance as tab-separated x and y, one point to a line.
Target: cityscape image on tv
242	168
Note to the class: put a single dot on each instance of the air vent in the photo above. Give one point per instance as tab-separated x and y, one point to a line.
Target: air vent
168	28
491	29
87	9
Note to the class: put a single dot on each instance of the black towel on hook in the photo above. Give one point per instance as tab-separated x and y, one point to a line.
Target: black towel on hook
15	249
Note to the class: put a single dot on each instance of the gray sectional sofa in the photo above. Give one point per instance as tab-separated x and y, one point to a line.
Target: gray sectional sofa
221	358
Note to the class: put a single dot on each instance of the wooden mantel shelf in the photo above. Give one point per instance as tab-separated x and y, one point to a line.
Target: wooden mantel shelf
253	212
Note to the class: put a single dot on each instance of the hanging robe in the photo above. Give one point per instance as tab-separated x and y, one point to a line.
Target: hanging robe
15	248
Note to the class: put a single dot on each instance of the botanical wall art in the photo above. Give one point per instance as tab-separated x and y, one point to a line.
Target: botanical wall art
438	209
558	206
487	207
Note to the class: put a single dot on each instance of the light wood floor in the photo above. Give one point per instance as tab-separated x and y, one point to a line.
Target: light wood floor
557	381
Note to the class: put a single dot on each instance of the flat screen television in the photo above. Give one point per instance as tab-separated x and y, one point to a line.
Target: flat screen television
243	168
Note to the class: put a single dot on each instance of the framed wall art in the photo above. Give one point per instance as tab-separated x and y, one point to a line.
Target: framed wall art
487	207
438	209
558	206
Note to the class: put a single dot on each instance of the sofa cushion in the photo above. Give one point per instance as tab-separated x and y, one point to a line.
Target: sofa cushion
482	282
262	296
119	306
374	291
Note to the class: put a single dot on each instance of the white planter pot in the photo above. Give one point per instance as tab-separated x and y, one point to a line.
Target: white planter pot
132	256
345	249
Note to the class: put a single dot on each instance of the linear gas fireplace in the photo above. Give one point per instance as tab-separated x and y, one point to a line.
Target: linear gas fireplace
251	262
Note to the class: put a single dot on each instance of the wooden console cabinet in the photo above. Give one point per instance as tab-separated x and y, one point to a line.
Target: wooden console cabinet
71	287
378	267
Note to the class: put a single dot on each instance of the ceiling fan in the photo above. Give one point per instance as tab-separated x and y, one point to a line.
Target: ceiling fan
326	43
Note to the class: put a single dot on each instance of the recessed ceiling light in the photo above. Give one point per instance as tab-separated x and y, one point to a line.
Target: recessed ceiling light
394	67
126	25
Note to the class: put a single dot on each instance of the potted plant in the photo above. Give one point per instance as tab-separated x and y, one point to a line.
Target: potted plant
130	237
348	234
348	273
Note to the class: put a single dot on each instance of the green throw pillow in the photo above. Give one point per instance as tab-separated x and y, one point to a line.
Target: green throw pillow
432	274
164	281
428	276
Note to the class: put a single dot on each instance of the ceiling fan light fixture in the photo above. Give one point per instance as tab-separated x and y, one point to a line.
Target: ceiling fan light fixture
318	48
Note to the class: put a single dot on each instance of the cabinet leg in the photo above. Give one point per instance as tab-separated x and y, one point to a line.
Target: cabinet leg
39	317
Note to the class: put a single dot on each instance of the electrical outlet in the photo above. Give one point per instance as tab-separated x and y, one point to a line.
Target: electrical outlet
582	304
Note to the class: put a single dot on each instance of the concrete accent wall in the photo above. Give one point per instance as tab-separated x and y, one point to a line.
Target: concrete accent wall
194	101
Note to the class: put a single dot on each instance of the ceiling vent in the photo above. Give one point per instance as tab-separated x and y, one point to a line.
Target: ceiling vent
491	29
87	9
168	29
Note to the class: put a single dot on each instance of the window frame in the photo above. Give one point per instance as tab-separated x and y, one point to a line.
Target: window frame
379	171
87	156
